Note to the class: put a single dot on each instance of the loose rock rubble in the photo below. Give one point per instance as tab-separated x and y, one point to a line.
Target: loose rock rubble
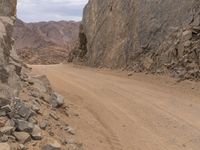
181	52
30	117
30	111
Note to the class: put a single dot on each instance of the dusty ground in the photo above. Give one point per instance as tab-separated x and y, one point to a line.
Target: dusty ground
118	112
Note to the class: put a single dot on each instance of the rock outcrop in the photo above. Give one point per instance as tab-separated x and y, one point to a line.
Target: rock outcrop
10	67
156	36
28	104
45	42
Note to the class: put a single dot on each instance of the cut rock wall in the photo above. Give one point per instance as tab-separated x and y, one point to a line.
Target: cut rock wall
8	7
133	34
30	110
10	67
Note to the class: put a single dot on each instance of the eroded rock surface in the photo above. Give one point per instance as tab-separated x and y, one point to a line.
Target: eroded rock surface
140	35
10	69
25	100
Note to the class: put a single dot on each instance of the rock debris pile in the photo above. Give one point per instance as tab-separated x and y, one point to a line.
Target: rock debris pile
33	120
182	49
32	115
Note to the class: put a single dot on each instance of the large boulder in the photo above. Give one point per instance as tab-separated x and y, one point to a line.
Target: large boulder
22	137
51	144
42	89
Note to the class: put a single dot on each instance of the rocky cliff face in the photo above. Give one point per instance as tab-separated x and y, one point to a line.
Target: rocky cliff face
157	36
8	7
29	112
10	68
45	42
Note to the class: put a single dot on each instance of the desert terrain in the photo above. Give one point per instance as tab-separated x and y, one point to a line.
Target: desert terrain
124	78
121	112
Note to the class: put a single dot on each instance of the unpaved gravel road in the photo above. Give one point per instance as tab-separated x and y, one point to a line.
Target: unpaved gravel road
118	112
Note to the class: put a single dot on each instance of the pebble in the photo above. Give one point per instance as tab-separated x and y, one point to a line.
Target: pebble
53	115
22	137
43	125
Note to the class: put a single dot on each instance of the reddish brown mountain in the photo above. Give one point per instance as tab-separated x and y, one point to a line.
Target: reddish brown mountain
45	42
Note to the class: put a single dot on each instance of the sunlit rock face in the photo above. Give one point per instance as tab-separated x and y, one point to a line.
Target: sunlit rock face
10	67
8	7
133	34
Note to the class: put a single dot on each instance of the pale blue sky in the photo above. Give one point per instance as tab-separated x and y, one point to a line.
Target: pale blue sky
47	10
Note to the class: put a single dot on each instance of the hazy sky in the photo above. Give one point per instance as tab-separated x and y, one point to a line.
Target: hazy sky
46	10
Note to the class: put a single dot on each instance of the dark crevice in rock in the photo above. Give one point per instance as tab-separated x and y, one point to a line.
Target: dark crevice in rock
83	42
3	75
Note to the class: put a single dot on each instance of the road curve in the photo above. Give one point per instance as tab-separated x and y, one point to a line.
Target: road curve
118	112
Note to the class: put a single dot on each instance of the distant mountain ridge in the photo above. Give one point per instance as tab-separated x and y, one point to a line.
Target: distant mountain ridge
42	39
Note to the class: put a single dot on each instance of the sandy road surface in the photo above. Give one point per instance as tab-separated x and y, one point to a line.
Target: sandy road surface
118	112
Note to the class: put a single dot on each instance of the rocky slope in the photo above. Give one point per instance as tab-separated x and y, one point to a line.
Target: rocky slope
143	36
30	111
10	68
45	42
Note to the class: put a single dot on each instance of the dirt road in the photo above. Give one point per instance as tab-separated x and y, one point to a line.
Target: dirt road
118	112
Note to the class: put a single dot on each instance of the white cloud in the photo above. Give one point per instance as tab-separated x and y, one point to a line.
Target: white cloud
46	10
